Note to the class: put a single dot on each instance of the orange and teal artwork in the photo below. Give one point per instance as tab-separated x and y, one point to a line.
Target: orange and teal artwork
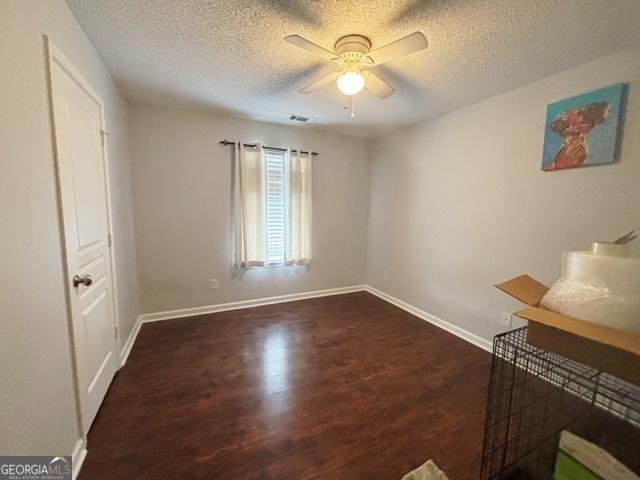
585	130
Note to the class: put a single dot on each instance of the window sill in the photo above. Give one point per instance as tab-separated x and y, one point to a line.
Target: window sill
278	265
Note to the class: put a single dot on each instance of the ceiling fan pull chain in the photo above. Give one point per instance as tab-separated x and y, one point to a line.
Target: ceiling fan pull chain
353	106
345	103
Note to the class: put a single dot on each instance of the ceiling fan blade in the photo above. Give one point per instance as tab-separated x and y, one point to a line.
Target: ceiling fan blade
401	47
298	41
326	80
377	86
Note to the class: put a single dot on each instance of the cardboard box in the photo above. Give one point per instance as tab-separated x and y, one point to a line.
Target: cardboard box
603	348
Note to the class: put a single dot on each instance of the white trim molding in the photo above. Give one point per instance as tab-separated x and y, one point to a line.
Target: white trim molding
77	457
126	348
223	307
438	322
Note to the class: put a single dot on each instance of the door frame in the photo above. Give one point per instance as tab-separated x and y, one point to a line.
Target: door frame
55	55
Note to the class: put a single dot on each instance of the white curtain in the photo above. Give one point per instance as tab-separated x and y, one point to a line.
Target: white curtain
249	208
299	211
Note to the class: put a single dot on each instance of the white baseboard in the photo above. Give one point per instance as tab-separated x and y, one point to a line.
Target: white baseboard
223	307
77	457
438	322
126	349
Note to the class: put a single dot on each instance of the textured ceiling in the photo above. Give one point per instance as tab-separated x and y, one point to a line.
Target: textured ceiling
230	54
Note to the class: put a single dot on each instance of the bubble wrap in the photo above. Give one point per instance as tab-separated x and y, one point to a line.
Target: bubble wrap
597	288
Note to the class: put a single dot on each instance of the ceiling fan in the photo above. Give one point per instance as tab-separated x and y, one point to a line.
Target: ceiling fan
353	55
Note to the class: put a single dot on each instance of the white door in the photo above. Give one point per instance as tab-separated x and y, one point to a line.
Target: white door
83	194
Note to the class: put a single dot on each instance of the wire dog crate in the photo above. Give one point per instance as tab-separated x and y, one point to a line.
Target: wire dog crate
535	394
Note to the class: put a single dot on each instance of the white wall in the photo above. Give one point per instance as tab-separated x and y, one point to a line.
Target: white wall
455	205
459	203
37	406
181	184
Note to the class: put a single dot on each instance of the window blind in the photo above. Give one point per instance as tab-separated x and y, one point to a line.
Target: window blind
275	206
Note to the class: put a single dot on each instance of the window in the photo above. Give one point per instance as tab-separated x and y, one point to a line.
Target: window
271	207
275	206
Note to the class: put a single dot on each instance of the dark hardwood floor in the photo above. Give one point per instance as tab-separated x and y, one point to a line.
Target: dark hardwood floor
341	387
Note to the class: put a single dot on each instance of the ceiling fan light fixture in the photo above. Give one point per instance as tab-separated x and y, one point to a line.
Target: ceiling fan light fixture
353	56
350	83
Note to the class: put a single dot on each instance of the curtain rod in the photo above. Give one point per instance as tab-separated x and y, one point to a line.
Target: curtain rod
225	142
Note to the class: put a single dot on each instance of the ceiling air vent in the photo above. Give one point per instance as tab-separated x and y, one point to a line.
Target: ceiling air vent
299	118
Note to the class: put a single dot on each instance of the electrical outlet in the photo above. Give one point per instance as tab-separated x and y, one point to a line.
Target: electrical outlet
213	283
507	319
385	274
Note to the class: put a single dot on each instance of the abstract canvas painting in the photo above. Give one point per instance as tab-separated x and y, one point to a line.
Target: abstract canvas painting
584	130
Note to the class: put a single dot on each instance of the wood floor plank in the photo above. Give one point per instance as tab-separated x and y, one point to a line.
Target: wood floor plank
340	387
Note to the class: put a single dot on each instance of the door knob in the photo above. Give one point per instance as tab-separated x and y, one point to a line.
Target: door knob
85	280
